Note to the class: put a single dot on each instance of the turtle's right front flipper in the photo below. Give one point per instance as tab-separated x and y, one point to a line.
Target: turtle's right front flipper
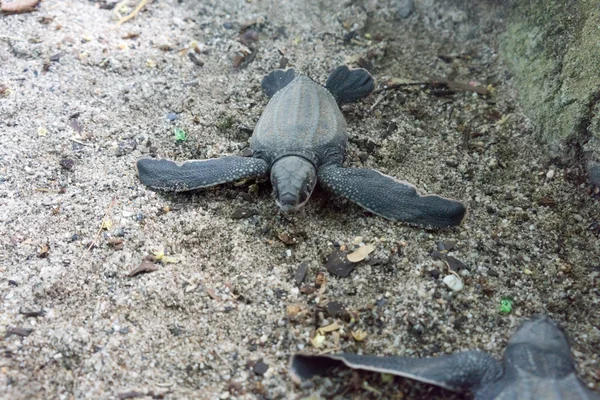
457	372
391	198
196	174
349	85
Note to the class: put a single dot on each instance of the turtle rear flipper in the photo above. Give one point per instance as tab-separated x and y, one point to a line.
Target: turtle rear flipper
391	198
277	80
196	174
457	372
349	85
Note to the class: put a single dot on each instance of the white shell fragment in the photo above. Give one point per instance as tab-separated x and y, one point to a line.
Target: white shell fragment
454	283
361	253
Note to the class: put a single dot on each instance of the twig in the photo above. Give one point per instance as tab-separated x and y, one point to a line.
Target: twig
458	85
399	85
80	142
18	6
99	230
133	13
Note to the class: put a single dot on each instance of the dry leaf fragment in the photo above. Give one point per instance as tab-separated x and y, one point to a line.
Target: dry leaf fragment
293	310
160	256
43	253
318	341
147	265
361	253
287	239
18	6
359	335
329	328
107	224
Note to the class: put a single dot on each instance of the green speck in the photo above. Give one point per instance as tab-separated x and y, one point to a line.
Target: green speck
180	135
506	305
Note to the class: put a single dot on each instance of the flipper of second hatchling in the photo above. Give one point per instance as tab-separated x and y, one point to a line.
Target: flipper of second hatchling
276	80
349	85
458	372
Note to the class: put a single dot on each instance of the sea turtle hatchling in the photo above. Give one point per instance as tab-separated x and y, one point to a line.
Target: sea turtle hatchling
301	138
537	365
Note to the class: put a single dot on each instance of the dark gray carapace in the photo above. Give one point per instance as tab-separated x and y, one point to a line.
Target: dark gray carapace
537	365
300	140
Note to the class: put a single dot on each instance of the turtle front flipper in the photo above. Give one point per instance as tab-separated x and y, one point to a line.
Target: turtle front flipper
277	80
195	174
391	198
349	85
458	372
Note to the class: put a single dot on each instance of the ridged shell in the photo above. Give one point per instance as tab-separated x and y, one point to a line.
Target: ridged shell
302	116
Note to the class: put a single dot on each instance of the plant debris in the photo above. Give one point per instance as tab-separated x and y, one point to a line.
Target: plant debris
131	15
452	85
361	253
159	255
147	265
43	253
23	332
338	264
29	313
359	335
18	6
287	239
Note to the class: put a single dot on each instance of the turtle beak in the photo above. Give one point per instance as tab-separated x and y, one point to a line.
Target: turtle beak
294	180
289	202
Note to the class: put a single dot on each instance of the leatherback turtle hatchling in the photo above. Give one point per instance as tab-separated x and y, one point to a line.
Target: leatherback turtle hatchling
537	365
301	137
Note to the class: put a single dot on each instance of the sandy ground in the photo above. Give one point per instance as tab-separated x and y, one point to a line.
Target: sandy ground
81	102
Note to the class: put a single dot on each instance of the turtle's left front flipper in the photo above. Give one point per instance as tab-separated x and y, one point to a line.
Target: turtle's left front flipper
391	198
457	372
196	174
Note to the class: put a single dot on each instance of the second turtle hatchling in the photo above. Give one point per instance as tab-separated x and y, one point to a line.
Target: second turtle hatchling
301	139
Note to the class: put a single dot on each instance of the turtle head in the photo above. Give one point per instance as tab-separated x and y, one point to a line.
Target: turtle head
294	179
542	333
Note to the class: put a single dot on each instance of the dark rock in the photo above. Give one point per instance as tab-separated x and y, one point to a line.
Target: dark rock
404	8
67	163
244	212
593	170
338	264
455	264
194	58
125	147
435	274
227	25
300	273
260	368
335	308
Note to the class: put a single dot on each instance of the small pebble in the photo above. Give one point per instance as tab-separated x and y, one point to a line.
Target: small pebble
577	217
453	282
550	174
172	116
227	25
